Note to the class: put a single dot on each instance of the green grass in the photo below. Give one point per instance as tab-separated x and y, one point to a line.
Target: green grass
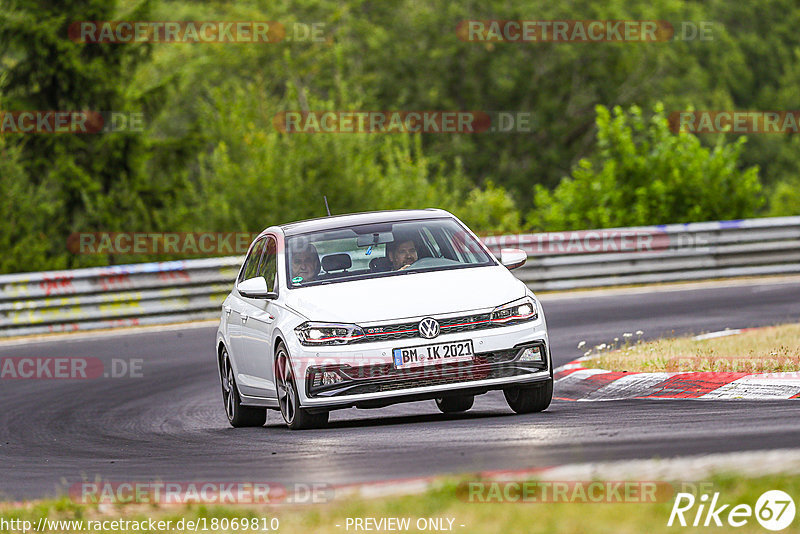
444	501
764	350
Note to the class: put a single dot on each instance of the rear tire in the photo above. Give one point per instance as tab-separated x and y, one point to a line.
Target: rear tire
455	403
530	399
296	418
238	415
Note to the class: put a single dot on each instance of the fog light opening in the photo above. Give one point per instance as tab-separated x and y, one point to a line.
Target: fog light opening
330	377
324	377
531	354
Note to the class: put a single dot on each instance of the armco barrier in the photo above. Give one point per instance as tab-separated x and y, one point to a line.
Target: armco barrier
668	253
106	297
158	293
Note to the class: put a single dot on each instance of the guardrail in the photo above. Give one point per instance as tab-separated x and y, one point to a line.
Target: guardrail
188	290
107	297
650	254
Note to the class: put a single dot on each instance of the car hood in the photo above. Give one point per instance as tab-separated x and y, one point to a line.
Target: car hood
408	295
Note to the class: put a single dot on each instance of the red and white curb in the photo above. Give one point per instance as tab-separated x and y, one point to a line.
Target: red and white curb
575	382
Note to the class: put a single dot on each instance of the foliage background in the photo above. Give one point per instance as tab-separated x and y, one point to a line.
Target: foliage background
599	154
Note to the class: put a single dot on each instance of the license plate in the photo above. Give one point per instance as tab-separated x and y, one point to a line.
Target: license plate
455	351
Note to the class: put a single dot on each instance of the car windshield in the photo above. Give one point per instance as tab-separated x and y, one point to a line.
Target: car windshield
383	249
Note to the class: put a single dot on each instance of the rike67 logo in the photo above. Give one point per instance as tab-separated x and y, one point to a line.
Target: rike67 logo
774	510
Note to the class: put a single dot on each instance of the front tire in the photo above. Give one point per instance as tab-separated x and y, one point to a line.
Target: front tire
530	399
238	415
455	403
296	418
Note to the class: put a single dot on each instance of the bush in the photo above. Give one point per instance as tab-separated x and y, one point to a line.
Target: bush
785	198
644	174
490	210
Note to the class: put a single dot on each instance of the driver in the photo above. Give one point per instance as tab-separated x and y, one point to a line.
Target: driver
305	263
402	252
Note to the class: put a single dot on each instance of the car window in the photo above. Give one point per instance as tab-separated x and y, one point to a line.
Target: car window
431	242
467	250
251	263
385	249
269	264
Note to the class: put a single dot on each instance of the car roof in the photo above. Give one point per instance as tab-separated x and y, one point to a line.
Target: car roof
353	219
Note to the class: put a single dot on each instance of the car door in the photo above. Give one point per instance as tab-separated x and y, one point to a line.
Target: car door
257	322
236	309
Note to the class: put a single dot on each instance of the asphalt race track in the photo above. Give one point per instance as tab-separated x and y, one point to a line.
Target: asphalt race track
170	425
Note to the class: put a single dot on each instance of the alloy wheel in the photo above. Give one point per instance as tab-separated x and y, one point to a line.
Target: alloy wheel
228	395
287	397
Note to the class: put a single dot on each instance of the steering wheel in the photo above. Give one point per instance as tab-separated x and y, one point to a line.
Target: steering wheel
431	262
421	262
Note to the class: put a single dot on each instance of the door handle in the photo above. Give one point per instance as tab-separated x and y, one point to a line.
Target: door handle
227	310
244	318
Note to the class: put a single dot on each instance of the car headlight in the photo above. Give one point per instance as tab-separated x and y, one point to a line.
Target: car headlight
328	333
520	310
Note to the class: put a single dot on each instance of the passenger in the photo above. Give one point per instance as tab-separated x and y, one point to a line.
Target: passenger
305	263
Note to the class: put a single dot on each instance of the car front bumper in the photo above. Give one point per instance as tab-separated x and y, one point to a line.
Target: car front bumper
371	380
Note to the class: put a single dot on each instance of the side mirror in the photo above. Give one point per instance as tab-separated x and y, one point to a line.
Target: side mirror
513	257
256	288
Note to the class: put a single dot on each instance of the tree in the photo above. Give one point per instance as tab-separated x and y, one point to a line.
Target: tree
99	179
256	176
26	209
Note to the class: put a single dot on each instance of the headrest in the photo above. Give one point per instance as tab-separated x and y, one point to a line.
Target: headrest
336	262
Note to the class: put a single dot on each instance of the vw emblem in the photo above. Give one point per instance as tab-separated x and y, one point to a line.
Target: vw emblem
429	328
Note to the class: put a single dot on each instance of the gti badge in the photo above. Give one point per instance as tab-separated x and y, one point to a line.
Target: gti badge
429	328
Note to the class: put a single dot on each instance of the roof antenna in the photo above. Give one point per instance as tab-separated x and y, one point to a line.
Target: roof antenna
326	205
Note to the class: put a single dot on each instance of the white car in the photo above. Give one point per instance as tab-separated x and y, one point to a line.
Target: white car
373	309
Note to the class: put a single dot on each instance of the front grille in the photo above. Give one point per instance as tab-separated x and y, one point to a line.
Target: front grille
500	356
500	372
438	378
464	323
387	370
391	332
379	370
